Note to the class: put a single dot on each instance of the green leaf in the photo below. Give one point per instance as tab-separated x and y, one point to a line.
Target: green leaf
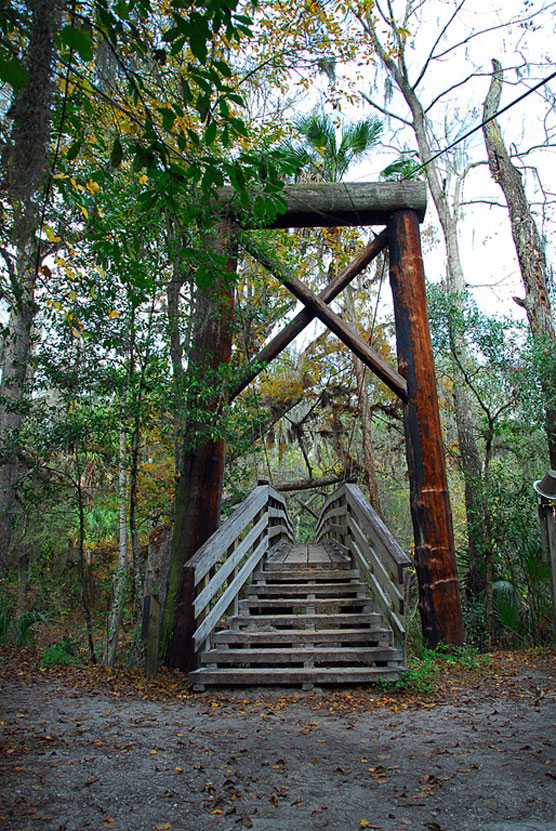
168	117
78	40
210	133
116	154
203	277
13	73
198	43
73	150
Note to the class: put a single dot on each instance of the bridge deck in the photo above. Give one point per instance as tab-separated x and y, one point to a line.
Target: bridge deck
308	556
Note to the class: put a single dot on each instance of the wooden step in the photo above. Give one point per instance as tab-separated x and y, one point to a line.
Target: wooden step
303	589
301	574
303	565
302	621
301	675
364	604
377	635
328	655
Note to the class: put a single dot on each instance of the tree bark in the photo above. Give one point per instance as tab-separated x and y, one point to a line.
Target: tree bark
199	491
435	559
365	415
471	462
24	161
122	569
530	254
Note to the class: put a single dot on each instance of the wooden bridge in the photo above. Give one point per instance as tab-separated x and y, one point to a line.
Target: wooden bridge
270	611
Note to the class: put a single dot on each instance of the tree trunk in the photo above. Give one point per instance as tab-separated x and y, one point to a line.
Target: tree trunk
24	161
530	254
365	413
199	492
455	285
122	571
84	571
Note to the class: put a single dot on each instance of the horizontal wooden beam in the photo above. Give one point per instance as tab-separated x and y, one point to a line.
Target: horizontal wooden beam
332	204
305	316
369	356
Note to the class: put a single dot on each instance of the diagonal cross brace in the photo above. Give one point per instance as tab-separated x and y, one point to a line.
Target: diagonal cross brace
306	316
318	308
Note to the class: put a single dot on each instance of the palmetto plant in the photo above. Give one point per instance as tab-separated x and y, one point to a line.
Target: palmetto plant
324	152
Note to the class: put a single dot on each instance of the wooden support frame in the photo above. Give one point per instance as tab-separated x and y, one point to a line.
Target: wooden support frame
369	356
435	559
306	316
401	207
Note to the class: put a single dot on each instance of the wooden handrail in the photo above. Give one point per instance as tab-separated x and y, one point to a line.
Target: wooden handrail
349	519
224	563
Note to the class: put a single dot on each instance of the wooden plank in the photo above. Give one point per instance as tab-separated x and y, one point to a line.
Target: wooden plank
205	596
216	545
435	557
279	513
282	675
366	353
285	655
373	525
203	631
305	316
332	204
378	593
275	530
386	578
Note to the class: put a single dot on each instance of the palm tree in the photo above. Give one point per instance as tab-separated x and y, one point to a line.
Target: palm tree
324	153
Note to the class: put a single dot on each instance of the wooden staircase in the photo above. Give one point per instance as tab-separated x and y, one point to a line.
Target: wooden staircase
264	610
306	618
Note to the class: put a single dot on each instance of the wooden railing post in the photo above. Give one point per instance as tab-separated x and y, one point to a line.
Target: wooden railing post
435	561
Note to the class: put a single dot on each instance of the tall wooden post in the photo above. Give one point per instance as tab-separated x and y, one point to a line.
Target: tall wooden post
435	561
199	491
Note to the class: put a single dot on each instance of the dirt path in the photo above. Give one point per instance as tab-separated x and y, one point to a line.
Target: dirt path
478	754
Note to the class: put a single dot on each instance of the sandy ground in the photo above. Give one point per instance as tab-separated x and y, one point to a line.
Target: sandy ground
481	754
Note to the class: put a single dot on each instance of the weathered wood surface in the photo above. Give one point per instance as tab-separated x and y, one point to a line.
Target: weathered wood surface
227	567
369	356
372	547
203	631
333	204
305	316
215	547
435	561
222	565
373	526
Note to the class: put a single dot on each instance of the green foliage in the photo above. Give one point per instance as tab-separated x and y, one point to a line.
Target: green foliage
63	651
422	674
326	151
18	630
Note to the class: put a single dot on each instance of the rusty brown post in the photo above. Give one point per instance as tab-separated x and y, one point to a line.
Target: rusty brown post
435	561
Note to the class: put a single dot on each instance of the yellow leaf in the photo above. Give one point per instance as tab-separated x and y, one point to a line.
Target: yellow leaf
162	826
73	294
93	186
112	313
143	179
84	211
101	213
364	823
51	236
60	176
179	770
76	334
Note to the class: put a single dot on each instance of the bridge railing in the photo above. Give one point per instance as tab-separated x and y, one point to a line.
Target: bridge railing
349	519
227	559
